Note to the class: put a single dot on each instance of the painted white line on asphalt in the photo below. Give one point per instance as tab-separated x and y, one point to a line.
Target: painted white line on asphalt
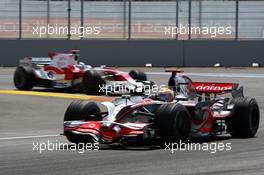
28	137
229	75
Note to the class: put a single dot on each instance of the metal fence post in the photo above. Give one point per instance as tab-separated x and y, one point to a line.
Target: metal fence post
69	20
200	16
82	15
20	19
124	18
48	15
177	18
190	19
129	19
183	53
237	11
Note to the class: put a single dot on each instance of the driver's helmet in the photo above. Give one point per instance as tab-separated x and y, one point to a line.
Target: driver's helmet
165	94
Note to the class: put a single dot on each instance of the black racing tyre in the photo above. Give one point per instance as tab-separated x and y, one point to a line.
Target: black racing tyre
80	110
24	78
244	122
138	75
173	123
91	82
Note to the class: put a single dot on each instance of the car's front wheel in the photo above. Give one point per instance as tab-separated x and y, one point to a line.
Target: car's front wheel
81	111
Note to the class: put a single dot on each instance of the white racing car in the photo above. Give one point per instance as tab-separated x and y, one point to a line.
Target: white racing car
64	71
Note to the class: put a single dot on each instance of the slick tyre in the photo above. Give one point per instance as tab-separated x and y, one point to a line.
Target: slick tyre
92	81
244	122
80	110
24	78
138	75
173	123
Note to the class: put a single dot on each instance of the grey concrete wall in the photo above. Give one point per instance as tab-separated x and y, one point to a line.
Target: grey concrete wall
140	52
228	53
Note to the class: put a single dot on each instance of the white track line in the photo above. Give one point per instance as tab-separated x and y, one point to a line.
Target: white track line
229	75
28	137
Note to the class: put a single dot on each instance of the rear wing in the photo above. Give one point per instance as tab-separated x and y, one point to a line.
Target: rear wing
209	87
29	61
55	59
215	88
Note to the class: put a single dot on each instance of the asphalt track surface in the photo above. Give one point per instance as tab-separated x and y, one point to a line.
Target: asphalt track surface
27	120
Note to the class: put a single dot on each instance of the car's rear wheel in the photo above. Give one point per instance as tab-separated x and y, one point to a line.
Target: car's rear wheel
244	122
173	123
24	78
138	75
92	81
81	111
